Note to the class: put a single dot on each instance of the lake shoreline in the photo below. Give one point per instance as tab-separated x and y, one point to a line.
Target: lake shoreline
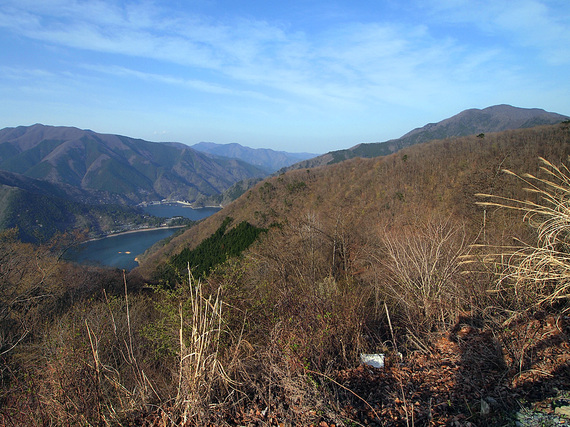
179	202
122	233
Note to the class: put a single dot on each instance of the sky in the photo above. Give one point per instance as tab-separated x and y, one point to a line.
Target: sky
297	76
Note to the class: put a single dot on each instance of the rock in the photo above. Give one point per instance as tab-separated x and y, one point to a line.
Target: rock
562	410
485	408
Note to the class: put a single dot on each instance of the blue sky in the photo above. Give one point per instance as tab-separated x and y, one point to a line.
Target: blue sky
298	76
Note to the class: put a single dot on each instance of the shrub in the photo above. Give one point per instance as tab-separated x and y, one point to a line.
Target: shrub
420	274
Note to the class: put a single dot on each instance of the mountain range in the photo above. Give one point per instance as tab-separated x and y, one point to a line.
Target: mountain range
265	158
53	179
114	165
468	122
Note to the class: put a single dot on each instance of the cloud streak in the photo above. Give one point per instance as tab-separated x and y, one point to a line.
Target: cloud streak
334	65
540	25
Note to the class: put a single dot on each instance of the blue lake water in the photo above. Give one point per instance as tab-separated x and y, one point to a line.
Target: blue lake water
121	250
117	251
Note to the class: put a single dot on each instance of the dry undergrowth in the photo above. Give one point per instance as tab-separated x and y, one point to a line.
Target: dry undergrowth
273	338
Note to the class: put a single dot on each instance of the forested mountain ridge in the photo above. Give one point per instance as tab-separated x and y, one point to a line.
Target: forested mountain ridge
53	189
468	122
136	169
38	218
39	210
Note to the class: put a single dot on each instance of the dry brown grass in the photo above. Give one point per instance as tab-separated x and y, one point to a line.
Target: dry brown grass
200	368
537	274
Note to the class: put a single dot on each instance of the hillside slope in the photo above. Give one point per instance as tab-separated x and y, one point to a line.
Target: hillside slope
40	209
369	256
134	168
435	178
362	257
469	122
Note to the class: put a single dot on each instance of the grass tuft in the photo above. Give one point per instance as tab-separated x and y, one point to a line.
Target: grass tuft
538	273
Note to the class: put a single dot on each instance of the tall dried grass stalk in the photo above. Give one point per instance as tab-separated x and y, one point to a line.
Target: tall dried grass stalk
539	274
200	369
113	398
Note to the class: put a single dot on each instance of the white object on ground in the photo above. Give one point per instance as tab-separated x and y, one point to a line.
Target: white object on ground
374	360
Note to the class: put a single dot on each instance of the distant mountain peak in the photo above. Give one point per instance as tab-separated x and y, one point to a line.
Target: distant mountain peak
472	121
266	158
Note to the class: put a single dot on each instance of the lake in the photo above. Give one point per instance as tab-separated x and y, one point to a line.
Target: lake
117	251
121	250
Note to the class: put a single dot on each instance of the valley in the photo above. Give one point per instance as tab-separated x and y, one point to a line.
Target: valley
257	313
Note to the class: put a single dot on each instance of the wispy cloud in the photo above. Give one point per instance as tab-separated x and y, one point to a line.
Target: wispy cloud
541	25
192	84
335	66
15	73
